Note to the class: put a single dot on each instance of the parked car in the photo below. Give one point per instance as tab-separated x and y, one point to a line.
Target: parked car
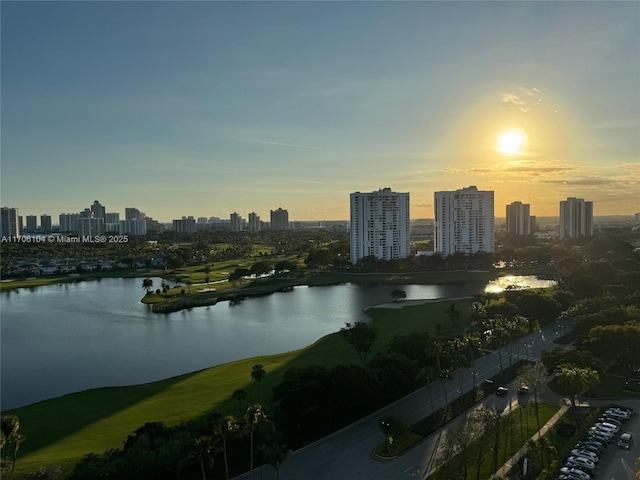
606	426
586	454
618	413
575	472
501	391
626	440
523	390
612	420
582	462
598	437
602	431
593	446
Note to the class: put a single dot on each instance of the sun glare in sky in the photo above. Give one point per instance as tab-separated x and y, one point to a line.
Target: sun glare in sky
512	142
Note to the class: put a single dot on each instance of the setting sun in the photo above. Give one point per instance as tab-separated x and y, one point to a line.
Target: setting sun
511	142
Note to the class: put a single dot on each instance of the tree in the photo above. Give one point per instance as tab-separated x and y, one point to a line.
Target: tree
147	284
361	336
203	453
238	275
573	380
274	453
207	271
257	374
240	395
253	418
535	377
9	435
223	429
398	295
453	313
391	428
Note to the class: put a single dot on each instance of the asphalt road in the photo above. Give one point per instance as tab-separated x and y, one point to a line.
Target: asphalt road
347	454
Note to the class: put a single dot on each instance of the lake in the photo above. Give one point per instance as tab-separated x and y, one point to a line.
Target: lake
69	337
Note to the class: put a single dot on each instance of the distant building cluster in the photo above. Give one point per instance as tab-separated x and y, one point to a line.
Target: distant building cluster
380	225
464	222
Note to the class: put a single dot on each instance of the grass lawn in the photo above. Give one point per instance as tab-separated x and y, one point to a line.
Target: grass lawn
61	430
518	428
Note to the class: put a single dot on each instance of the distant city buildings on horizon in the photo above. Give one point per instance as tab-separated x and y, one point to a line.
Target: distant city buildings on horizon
461	221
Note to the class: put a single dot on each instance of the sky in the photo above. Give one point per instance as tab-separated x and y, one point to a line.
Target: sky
207	108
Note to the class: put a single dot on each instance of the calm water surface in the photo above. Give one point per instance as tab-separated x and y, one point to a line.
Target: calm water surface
70	337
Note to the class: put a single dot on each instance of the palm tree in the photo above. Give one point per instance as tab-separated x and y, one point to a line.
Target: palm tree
274	452
147	284
240	395
204	453
257	374
453	313
223	429
253	418
574	380
207	271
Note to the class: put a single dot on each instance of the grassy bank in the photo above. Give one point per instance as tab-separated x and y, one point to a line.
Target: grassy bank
60	431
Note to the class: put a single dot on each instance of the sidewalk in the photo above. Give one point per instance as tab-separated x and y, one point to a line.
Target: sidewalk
506	468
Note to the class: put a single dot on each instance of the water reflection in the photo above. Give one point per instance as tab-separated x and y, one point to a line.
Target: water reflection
517	282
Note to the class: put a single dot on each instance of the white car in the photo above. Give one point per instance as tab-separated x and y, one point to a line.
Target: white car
617	412
606	419
606	426
575	472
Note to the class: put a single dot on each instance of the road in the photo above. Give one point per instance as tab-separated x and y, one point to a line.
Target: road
347	454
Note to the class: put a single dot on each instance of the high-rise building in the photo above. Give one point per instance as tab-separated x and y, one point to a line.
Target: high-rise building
98	210
90	226
185	225
132	227
9	222
235	222
131	213
254	223
464	221
112	222
576	218
519	218
45	223
68	222
32	224
380	225
279	219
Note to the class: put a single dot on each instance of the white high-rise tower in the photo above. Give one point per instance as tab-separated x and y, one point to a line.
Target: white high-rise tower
464	221
380	225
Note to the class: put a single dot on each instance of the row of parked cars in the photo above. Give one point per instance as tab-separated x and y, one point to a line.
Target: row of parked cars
581	464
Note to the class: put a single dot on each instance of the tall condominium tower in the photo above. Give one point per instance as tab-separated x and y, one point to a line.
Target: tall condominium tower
279	219
45	223
253	223
518	218
576	218
380	225
464	221
32	224
235	222
98	210
9	222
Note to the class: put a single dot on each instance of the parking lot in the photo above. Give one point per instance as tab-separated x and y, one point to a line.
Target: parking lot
619	464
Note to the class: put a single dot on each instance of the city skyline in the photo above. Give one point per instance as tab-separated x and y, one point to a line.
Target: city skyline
207	108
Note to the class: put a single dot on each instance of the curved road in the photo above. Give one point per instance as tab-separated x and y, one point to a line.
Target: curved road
346	454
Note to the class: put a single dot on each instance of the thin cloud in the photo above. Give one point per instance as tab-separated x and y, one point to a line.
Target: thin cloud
525	100
280	144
